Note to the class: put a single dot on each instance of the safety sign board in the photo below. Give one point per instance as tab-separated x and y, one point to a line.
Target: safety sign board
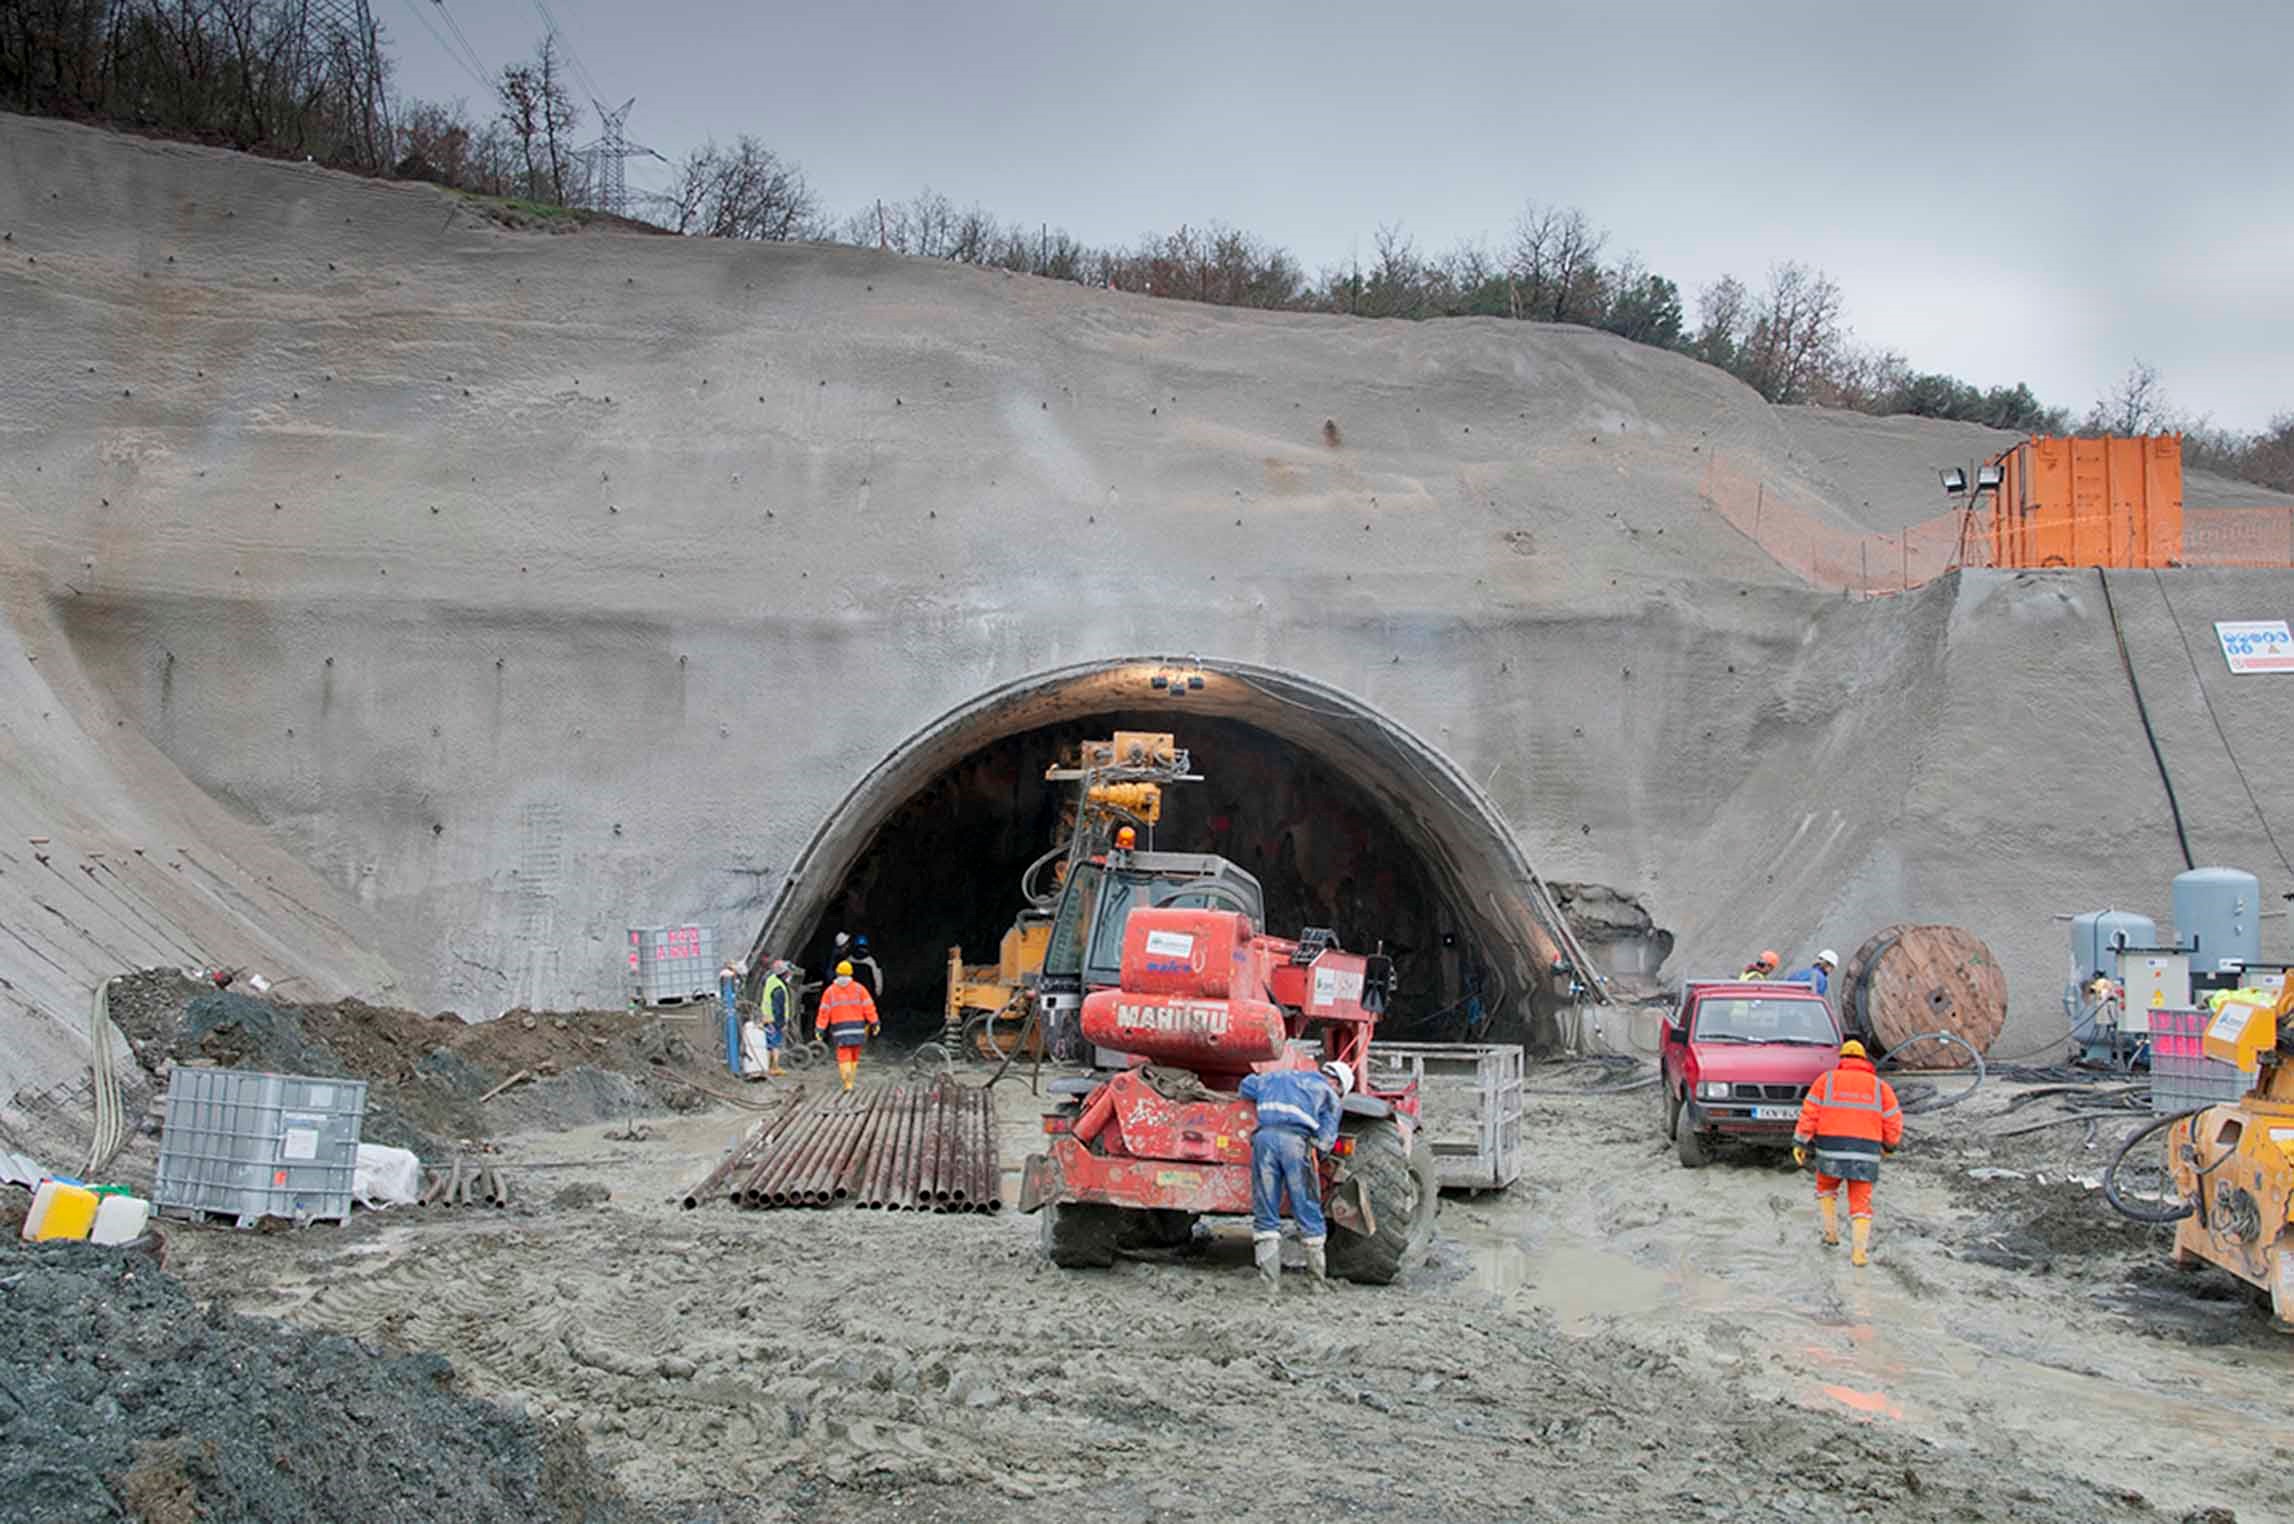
2256	645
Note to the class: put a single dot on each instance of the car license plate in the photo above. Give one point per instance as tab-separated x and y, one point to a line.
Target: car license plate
1775	1113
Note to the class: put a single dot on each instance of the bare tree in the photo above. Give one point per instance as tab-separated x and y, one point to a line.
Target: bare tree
745	191
1556	265
1576	279
1795	335
1723	316
538	109
2137	405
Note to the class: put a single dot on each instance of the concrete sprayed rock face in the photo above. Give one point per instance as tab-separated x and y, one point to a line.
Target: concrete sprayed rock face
410	606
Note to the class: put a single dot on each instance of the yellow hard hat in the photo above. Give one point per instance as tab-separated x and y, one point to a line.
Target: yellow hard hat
845	968
1852	1049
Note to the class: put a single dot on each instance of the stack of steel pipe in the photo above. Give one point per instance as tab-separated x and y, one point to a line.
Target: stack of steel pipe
901	1148
936	1153
742	1160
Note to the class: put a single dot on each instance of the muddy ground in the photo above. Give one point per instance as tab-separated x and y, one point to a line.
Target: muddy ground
1614	1338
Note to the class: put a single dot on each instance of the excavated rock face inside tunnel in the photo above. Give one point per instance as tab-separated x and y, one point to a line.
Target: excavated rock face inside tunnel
944	868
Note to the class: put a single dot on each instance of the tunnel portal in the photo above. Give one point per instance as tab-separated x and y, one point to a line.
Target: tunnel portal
1348	821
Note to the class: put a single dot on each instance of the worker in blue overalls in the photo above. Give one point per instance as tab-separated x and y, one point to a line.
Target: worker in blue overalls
1298	1111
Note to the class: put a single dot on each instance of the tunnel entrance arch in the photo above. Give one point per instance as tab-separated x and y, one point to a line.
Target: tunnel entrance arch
1479	921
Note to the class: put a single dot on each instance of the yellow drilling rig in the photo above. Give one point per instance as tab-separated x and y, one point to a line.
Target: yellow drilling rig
2232	1162
1117	784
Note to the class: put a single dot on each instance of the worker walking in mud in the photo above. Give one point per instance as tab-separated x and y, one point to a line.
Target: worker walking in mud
1848	1123
847	1020
854	950
1298	1112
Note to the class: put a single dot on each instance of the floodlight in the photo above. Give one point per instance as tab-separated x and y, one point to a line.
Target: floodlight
1955	481
1987	478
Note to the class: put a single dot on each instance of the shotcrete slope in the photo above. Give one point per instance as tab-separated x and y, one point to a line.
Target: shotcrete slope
493	592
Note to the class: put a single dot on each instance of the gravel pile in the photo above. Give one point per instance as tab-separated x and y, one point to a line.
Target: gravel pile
121	1395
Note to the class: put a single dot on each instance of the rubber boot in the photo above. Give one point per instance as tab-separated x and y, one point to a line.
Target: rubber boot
1860	1241
1317	1264
1266	1249
1828	1208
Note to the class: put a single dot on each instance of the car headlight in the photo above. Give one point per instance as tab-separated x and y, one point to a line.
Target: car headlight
1713	1090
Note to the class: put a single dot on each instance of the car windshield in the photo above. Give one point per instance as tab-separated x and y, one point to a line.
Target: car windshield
1757	1020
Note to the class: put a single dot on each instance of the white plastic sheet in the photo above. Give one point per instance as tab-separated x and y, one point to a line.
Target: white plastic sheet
385	1177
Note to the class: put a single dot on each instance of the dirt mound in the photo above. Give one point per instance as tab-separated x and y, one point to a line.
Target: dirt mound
426	1075
130	1397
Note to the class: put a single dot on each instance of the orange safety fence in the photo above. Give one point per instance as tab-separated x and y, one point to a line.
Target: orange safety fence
1809	542
2238	537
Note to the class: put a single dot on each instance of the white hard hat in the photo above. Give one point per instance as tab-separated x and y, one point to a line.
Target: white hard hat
1829	956
1341	1074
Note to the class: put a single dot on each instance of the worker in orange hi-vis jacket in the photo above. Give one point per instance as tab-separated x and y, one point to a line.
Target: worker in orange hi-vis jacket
847	1020
1849	1122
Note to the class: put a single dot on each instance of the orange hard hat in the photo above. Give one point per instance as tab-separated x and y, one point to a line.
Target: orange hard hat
1769	959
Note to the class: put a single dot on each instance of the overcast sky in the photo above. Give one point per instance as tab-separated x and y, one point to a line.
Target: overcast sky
2005	191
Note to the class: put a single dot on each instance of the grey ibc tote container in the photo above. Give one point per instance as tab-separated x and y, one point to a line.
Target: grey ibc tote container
246	1145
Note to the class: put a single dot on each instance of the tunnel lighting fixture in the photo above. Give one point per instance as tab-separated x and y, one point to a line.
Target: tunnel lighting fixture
1159	681
1988	478
1194	682
1955	481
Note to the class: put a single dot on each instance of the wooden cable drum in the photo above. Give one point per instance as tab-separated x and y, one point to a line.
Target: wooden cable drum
1910	980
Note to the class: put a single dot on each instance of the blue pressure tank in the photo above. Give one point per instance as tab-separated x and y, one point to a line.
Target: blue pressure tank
2097	936
2218	915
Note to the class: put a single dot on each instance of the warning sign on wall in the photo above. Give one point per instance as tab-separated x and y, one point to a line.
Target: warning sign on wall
2256	645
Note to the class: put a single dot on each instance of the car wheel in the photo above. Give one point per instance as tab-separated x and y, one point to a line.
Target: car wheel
1690	1144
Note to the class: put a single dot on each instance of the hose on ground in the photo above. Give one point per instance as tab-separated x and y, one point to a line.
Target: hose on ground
2111	1194
1926	1101
110	1135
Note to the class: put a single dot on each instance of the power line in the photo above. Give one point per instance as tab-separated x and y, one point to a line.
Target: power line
2220	735
446	47
2143	713
581	70
477	59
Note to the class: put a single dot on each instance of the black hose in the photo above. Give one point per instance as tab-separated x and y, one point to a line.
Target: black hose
2111	1172
1920	1106
2142	710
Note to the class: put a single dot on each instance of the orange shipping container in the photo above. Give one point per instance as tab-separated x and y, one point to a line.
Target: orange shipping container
2089	502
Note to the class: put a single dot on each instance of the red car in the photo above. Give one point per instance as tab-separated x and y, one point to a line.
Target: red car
1738	1058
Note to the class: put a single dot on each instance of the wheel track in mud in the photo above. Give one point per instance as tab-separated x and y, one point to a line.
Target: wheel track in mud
829	1346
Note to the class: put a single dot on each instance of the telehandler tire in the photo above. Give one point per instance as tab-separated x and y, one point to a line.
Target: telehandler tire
1404	1194
1155	1228
1081	1235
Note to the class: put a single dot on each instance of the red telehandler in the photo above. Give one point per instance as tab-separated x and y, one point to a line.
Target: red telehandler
1204	998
